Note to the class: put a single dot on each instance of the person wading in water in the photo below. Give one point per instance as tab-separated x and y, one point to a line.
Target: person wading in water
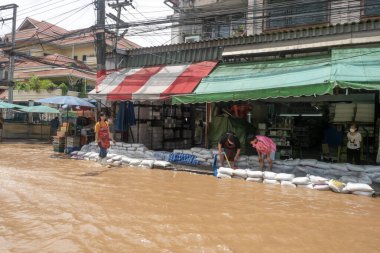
103	137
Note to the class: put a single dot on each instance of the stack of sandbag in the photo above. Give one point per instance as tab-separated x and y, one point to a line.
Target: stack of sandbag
319	183
359	189
254	176
302	182
270	177
242	162
240	174
285	179
224	172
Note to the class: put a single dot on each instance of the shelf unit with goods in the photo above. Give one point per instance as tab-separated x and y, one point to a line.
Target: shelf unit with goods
177	127
282	137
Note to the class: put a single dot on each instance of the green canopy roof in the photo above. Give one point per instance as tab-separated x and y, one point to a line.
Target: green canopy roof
346	68
39	109
5	105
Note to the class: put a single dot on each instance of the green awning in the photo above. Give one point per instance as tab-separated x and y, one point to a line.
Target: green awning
289	77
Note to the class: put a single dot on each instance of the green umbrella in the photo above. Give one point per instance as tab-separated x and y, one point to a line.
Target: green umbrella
4	105
40	109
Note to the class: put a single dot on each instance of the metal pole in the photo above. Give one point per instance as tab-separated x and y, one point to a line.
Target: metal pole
12	57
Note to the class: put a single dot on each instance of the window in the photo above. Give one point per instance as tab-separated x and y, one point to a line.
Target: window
84	58
284	13
76	57
371	8
224	26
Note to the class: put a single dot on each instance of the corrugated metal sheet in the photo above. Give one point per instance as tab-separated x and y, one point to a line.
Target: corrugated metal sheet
212	49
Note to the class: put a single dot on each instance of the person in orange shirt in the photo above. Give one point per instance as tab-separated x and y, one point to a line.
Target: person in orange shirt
102	136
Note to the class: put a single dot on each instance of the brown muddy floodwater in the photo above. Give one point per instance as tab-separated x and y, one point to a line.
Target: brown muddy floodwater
58	205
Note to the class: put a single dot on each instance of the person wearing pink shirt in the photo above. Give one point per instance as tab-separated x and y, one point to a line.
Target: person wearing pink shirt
264	147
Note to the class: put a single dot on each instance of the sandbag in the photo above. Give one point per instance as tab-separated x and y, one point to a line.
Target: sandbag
226	171
283	168
284	177
308	162
367	194
240	173
254	174
347	179
253	158
277	162
288	183
269	175
364	179
74	153
301	180
117	163
162	164
243	158
293	163
197	150
242	164
134	162
147	164
109	161
321	187
352	187
336	186
307	186
116	158
221	175
254	179
339	166
270	181
318	180
357	168
371	168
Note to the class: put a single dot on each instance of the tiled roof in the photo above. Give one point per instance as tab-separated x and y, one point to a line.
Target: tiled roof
32	29
55	72
54	59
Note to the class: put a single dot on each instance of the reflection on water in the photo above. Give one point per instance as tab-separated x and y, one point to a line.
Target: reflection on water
62	205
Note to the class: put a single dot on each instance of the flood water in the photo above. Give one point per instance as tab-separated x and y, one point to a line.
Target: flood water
61	205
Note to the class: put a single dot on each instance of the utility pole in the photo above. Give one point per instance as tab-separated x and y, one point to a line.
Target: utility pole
13	45
100	40
117	6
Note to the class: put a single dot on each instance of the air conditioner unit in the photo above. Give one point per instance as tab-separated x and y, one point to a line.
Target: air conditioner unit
194	38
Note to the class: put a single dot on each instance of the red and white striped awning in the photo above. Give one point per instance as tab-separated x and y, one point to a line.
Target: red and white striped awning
152	83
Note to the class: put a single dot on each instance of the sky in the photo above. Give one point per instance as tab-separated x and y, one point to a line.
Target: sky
75	14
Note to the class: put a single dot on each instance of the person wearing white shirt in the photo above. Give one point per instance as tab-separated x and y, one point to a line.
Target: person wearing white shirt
354	139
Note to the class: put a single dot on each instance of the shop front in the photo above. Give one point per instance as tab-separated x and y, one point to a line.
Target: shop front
143	94
305	105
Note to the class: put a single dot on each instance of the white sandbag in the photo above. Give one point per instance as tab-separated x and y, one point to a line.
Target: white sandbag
147	164
254	179
371	168
109	161
361	193
284	177
187	151
137	145
81	153
277	162
339	166
179	151
269	175
221	175
323	165
301	180
134	162
321	187
116	158
239	177
308	162
126	160
74	153
288	183
240	173
200	159
336	186
283	168
131	149
352	187
270	181
307	186
318	180
109	155
117	163
197	150
357	168
254	174
226	171
162	164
